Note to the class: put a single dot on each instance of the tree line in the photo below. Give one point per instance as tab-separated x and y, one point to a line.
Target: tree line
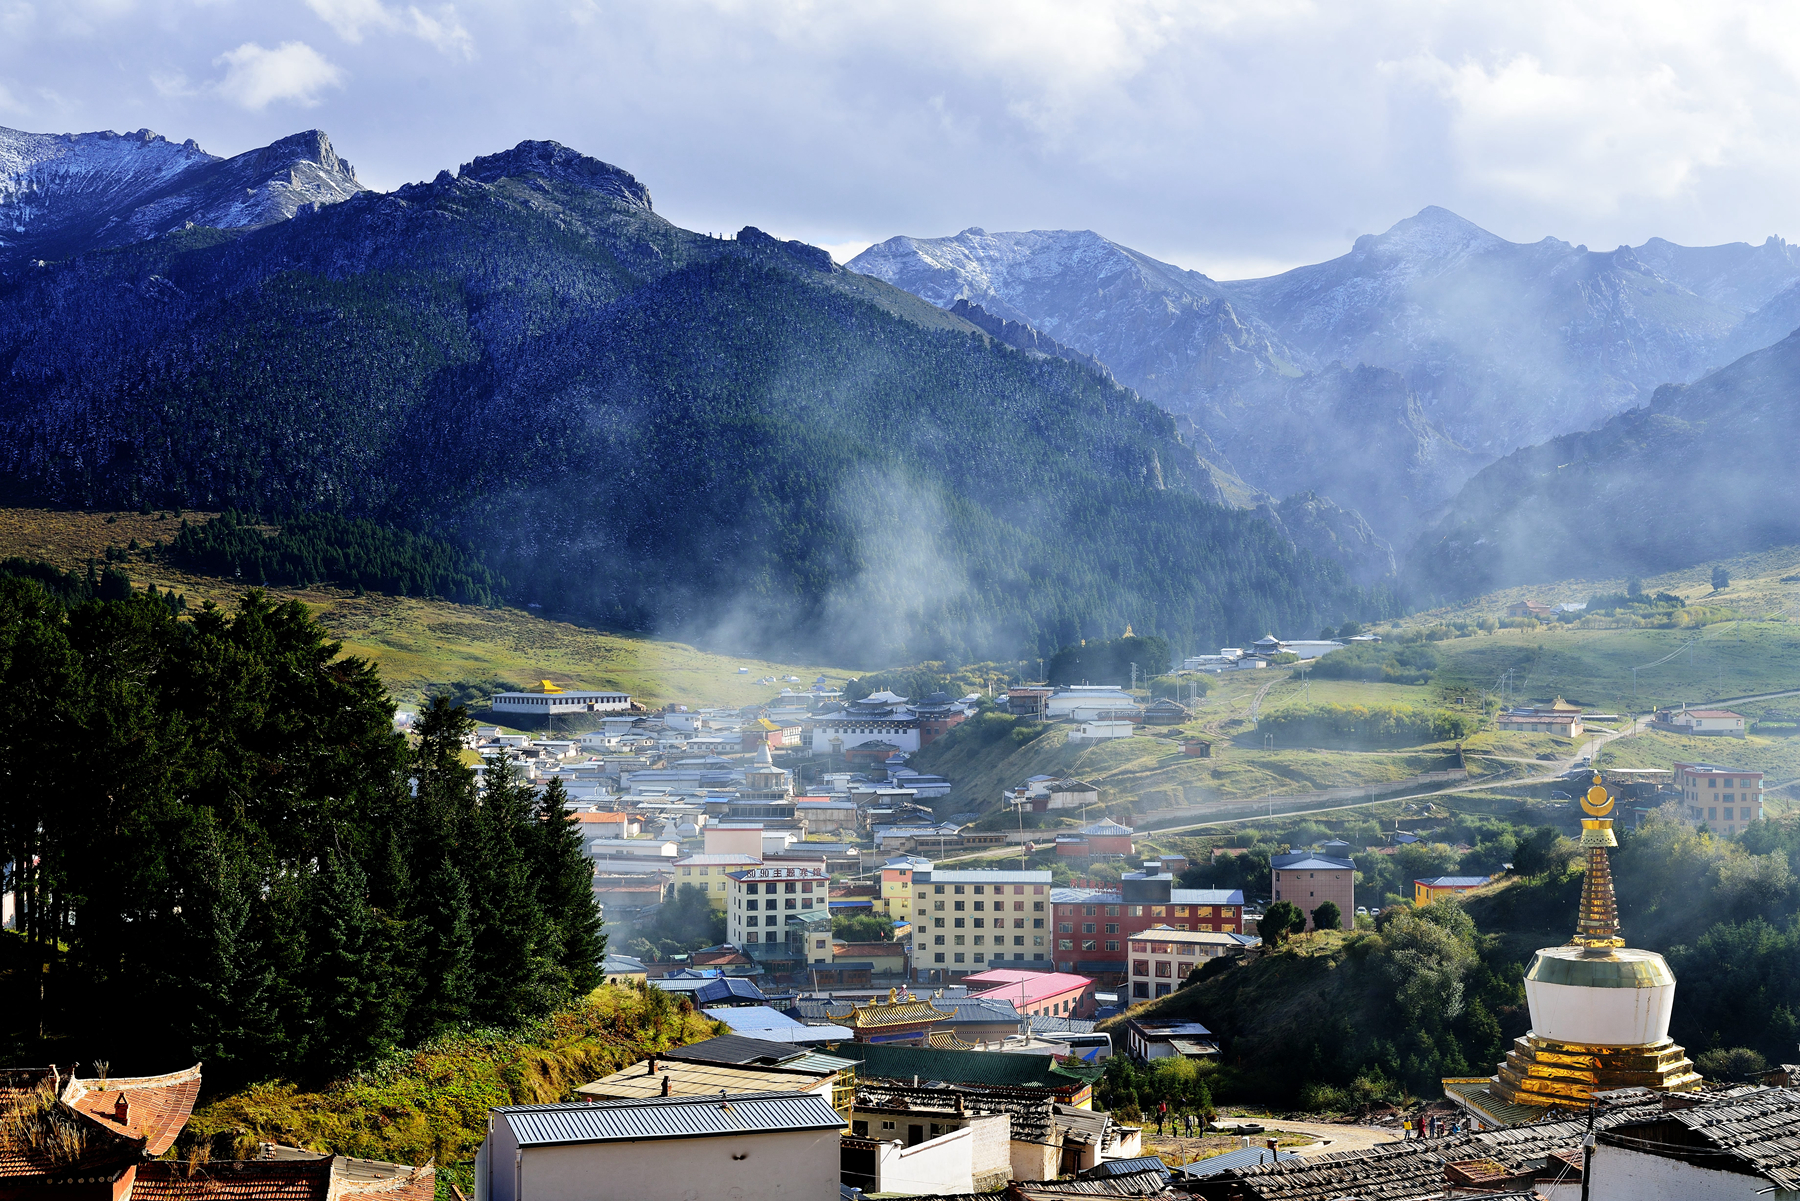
222	850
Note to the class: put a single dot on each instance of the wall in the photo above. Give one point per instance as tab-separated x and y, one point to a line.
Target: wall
1623	1175
938	1165
1309	889
776	1167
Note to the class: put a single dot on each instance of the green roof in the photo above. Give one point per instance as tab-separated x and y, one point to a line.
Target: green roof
1617	968
888	1061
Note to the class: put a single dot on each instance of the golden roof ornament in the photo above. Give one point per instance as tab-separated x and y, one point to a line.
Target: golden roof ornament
1597	922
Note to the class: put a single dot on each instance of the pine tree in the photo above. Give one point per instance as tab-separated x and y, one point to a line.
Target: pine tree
565	879
514	977
443	984
352	1018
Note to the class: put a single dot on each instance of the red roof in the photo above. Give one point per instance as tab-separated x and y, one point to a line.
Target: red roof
234	1180
153	1108
600	817
1714	713
1024	988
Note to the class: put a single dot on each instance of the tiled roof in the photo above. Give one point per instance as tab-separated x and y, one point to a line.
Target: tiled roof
1455	881
1149	1183
234	1180
984	1069
155	1107
907	1011
948	1040
1760	1129
686	1117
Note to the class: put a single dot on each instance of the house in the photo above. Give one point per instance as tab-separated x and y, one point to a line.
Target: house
880	717
1100	731
938	715
1268	645
1725	798
1427	891
548	700
1562	722
746	1147
594	824
1702	723
1309	880
1162	956
1532	608
1065	794
882	958
959	1156
1147	1039
1744	1143
1060	994
1165	712
1029	702
968	1019
620	969
1107	838
825	815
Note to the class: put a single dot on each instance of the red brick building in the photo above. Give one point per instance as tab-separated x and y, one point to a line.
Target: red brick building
1092	925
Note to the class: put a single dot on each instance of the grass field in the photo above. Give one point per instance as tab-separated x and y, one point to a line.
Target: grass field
418	643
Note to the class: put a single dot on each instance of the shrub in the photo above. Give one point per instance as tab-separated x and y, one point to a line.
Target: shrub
1394	725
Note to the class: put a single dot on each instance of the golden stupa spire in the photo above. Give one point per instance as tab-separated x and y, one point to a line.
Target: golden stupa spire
1597	923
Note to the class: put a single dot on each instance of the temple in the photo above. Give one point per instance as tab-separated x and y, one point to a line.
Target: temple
1599	1009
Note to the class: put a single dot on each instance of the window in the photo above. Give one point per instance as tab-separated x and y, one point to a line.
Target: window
819	945
1037	940
1137	911
1037	906
960	922
1140	988
1140	967
1065	944
938	907
791	905
1088	944
959	956
958	906
1728	816
1065	927
1018	923
957	939
937	940
937	923
1181	911
1088	910
978	890
938	958
1018	940
1018	906
1087	927
750	904
1037	923
687	871
1157	910
1711	814
1112	911
1112	927
958	889
938	889
1112	944
980	939
980	923
1162	990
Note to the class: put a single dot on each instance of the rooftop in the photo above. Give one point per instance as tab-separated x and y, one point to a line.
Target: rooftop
667	1117
683	1078
1455	881
1310	861
1206	896
981	876
1026	988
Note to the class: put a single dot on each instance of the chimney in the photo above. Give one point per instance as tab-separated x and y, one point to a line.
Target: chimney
650	1066
666	1083
122	1110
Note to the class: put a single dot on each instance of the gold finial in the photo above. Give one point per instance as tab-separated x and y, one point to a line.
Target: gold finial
1597	923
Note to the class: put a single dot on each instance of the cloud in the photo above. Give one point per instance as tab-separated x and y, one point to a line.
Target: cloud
293	71
349	18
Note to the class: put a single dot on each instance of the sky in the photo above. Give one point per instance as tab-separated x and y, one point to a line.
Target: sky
1237	139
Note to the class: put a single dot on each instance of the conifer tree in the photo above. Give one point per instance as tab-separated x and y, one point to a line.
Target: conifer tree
565	877
352	1018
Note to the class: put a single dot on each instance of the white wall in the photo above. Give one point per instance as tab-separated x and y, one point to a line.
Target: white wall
1619	1174
937	1165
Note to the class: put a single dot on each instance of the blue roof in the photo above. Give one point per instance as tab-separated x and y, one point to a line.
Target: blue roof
1126	1167
1456	881
1206	896
1243	1157
852	903
667	1117
728	988
761	1021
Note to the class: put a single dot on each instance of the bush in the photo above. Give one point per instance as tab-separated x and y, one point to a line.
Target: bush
1281	920
1731	1063
1404	664
1328	917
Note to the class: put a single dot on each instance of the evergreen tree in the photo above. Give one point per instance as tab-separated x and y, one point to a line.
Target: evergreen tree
511	935
565	879
352	1018
443	965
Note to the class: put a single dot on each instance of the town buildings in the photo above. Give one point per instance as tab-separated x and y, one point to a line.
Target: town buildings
1162	956
1703	723
1148	1039
1093	925
1056	994
1309	880
1725	798
1559	718
762	898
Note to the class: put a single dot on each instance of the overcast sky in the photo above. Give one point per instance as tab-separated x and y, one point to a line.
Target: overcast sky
1234	138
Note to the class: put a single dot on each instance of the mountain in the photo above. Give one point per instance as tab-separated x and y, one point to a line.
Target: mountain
729	439
62	194
1705	470
1474	345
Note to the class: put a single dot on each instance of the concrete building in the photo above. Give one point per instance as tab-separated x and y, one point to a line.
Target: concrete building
881	718
1100	731
1148	1039
742	1147
1056	994
1086	702
1563	723
963	921
711	873
1064	794
1725	798
548	700
761	897
1092	925
1161	958
1309	880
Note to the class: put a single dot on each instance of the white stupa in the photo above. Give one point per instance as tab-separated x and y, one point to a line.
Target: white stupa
1599	1009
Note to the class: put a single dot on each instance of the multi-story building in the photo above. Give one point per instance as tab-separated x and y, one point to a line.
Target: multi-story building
1162	956
761	899
711	874
897	885
1309	880
1725	798
1092	925
964	921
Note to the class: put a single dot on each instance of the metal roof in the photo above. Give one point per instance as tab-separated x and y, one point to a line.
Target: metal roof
981	876
1243	1157
1125	1167
732	1048
1079	896
1308	859
688	1079
1456	881
667	1117
1206	896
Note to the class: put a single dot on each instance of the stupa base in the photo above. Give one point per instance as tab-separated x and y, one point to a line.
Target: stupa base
1543	1072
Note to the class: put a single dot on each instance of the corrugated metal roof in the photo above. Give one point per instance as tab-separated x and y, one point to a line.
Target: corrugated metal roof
980	875
1243	1157
683	1117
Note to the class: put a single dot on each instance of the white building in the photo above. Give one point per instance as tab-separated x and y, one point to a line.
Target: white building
1100	731
1731	1146
548	700
762	897
1161	957
1708	723
879	717
1084	701
752	1147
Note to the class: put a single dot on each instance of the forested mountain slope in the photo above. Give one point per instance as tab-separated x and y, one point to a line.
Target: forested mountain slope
1703	471
732	440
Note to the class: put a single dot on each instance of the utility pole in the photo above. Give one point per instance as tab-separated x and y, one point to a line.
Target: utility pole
1587	1154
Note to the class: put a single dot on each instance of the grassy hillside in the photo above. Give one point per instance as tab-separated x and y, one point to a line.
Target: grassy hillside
432	1103
417	643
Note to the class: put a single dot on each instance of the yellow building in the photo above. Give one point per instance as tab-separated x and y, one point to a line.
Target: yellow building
709	873
896	884
1427	891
